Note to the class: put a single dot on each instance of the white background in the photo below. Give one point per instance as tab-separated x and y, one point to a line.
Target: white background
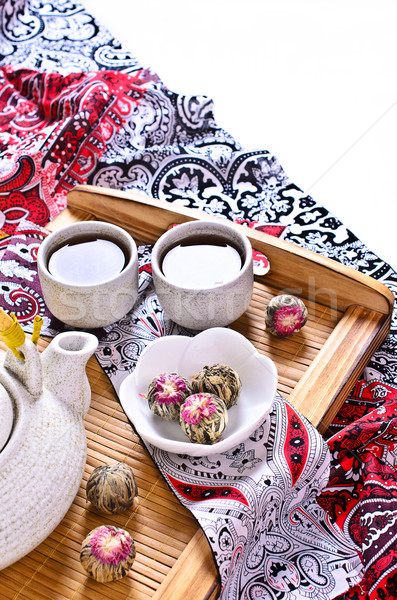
312	81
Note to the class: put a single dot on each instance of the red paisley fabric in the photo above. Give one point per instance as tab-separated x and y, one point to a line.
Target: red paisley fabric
53	130
362	489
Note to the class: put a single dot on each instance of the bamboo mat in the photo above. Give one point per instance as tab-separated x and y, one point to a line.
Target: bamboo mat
160	525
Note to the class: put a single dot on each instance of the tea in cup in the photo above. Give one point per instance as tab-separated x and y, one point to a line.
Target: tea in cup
89	273
203	273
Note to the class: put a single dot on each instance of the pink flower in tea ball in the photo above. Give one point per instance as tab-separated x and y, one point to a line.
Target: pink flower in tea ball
110	546
203	418
166	392
285	315
107	553
197	407
169	389
288	319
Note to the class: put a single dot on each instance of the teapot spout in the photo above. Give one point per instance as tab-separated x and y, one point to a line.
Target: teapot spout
63	364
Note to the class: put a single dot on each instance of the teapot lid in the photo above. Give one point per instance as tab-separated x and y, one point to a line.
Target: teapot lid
6	417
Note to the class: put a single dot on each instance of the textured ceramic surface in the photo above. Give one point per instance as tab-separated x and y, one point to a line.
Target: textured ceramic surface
186	356
203	308
6	416
42	464
89	306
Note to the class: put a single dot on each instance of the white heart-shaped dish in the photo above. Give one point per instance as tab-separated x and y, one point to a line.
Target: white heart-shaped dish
186	356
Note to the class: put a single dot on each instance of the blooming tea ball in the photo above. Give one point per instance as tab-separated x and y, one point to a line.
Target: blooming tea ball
112	488
166	393
285	315
107	553
219	380
203	418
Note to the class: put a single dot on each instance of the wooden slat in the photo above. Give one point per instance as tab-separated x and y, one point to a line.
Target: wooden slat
194	576
322	390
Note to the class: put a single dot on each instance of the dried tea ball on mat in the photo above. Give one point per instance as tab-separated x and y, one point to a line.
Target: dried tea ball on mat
285	315
107	553
203	418
166	393
112	488
220	380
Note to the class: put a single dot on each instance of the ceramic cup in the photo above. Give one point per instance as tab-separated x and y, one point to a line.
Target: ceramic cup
90	305
196	307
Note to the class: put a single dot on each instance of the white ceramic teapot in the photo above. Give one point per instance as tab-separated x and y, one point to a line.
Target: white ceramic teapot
43	399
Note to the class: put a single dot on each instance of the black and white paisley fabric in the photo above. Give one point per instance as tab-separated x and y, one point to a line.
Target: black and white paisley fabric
269	536
58	36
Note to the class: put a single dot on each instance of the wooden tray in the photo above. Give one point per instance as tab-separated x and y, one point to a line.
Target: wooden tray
349	316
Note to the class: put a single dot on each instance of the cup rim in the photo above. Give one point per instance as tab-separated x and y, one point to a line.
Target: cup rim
89	225
155	255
